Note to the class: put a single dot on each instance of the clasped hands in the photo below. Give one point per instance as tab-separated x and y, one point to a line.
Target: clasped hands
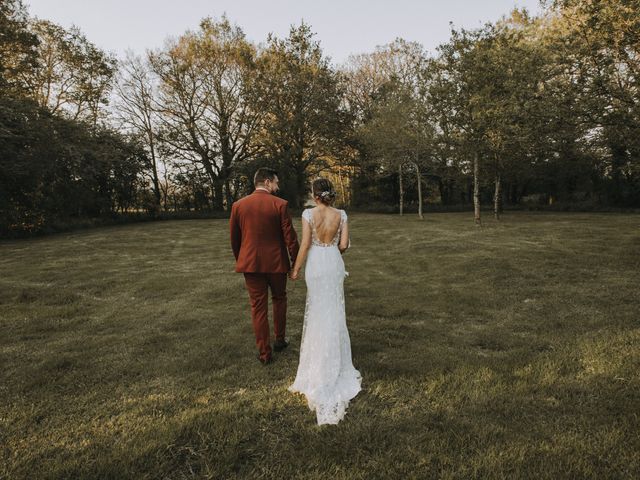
294	273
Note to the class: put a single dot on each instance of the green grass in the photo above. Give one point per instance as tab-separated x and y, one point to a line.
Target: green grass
511	351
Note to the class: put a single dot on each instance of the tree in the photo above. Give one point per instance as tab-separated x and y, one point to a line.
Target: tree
18	55
300	97
383	93
397	134
53	168
462	64
366	74
604	46
515	112
137	112
206	101
73	76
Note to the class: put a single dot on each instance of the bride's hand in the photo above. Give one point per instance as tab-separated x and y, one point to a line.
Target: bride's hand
293	274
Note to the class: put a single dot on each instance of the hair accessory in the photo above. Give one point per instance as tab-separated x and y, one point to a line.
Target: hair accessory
327	194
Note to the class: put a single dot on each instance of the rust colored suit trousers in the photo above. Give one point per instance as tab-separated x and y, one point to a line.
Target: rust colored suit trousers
258	285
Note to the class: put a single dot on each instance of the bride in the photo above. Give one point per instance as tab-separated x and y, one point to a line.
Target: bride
326	375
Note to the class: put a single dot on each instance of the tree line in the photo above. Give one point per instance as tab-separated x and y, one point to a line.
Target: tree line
526	109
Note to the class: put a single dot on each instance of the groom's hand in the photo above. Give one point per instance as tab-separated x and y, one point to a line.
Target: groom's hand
293	274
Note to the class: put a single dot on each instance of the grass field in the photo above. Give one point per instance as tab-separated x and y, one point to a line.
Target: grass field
511	351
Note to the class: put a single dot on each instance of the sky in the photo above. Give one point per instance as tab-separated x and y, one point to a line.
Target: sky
343	27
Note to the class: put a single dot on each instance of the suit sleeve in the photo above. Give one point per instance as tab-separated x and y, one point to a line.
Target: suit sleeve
236	233
288	233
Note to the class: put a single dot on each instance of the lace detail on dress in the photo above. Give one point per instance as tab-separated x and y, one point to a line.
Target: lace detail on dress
326	375
308	216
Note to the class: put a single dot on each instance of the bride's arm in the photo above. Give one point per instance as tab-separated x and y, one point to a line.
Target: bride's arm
305	244
344	238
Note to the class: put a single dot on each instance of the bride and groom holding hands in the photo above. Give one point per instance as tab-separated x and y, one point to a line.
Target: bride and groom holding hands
265	246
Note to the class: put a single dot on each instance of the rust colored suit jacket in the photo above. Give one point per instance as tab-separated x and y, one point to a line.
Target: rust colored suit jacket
262	235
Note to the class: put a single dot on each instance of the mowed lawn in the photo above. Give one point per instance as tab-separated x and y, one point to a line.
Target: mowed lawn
511	351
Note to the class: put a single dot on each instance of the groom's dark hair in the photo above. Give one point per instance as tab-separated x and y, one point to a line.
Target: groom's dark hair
263	174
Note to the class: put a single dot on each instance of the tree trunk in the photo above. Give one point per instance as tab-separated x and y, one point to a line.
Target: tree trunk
419	180
218	196
443	195
154	172
342	190
497	197
229	194
165	188
401	190
476	190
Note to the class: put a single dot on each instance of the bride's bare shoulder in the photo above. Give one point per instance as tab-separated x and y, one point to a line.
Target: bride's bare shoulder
342	213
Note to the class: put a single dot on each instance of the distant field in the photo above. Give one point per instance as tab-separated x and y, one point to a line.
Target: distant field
511	351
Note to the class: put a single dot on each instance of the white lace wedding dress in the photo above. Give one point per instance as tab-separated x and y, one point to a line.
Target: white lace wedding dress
326	375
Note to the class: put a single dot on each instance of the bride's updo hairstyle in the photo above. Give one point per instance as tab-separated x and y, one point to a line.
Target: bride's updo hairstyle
323	190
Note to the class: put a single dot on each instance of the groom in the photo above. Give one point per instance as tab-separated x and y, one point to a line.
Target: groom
263	239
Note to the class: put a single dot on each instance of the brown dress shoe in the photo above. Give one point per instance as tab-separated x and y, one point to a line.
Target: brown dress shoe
263	361
280	345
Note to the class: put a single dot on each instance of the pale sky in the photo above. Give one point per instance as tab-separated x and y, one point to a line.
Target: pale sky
342	27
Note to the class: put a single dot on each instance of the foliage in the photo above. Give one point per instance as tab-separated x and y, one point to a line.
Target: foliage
527	107
53	168
303	119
